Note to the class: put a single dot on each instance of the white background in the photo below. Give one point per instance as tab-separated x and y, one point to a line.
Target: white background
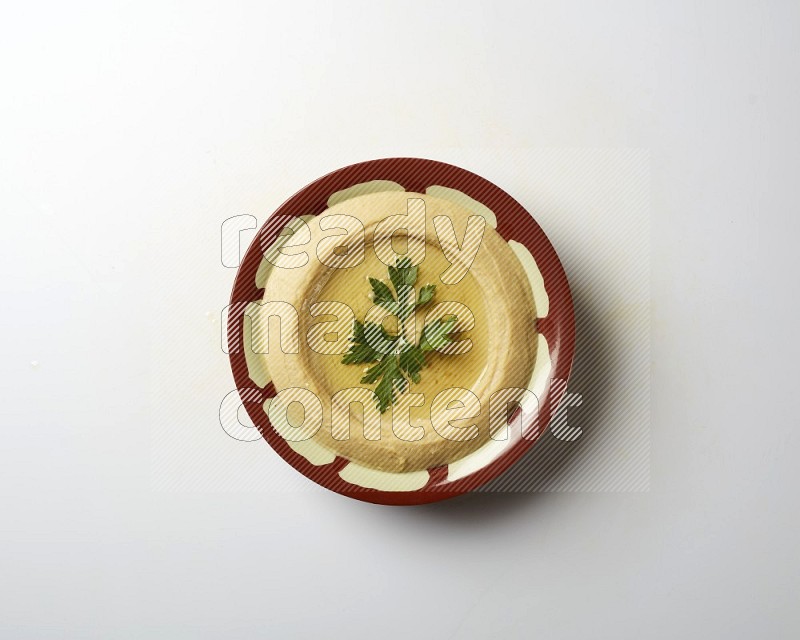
126	128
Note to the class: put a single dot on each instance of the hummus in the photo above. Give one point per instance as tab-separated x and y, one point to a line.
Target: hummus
494	349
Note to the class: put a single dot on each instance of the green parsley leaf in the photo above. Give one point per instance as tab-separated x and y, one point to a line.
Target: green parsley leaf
411	361
358	333
369	343
359	353
382	294
391	382
403	274
372	374
426	294
392	359
378	338
434	336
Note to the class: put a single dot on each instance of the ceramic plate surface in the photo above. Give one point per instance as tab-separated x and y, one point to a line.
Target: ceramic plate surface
554	331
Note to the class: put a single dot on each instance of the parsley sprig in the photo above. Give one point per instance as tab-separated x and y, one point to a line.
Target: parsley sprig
393	358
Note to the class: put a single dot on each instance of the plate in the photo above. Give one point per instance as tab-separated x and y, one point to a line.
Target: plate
554	331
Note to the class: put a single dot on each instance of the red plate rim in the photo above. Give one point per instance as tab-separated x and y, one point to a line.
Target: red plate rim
514	222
